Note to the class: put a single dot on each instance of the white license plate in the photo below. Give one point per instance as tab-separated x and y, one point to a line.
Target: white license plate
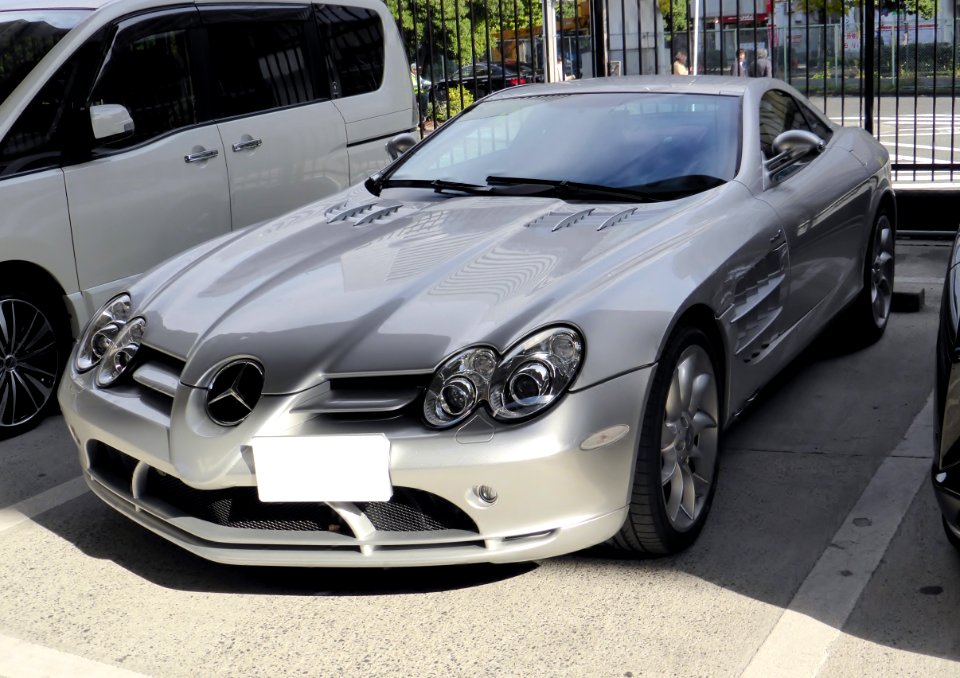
323	468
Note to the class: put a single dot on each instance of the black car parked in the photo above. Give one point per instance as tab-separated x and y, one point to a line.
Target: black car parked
946	453
484	77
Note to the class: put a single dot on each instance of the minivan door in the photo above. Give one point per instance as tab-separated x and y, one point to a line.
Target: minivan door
145	197
285	141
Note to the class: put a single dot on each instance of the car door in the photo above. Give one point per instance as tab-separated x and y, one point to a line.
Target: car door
822	202
285	141
138	200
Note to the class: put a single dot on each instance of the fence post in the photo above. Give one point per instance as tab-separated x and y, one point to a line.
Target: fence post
598	23
869	35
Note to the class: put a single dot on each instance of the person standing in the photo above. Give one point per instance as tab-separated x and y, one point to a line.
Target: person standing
764	67
680	63
740	67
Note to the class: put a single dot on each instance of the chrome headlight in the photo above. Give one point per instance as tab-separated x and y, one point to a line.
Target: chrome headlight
531	376
535	373
111	340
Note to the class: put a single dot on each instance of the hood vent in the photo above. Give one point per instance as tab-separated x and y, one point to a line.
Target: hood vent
588	218
362	214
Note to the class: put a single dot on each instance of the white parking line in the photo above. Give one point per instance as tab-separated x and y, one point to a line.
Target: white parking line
11	516
20	659
799	643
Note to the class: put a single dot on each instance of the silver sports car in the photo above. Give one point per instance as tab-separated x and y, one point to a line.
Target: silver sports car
523	337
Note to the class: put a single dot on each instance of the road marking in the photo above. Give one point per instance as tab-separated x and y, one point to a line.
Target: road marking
917	281
11	516
800	641
20	659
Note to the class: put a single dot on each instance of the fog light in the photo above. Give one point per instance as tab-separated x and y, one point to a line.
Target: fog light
486	494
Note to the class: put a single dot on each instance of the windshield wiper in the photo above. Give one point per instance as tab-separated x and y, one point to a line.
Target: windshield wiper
570	189
679	187
438	185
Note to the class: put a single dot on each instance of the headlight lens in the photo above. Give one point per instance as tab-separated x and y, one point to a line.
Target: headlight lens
101	332
459	386
531	376
121	352
111	341
535	373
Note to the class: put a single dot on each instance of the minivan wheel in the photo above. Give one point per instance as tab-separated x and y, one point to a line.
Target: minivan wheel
32	356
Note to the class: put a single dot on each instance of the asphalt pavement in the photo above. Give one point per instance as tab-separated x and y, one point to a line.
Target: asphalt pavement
823	555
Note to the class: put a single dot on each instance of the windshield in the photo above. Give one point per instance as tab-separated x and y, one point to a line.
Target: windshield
26	37
628	140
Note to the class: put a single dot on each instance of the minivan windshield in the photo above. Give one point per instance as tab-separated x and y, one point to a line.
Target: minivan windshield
26	37
661	144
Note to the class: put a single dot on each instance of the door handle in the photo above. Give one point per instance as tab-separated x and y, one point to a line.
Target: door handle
776	236
247	145
200	156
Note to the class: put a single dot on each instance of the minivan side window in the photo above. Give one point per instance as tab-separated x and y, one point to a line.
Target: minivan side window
149	69
355	39
262	59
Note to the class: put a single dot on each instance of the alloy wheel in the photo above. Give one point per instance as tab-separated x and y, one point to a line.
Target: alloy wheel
881	273
29	362
689	438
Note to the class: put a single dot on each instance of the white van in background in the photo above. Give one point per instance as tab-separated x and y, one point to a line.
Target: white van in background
133	129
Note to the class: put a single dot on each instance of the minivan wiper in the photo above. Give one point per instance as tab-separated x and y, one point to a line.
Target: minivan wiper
570	189
437	185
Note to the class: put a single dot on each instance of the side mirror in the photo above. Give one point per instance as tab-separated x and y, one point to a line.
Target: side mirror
400	144
791	146
110	121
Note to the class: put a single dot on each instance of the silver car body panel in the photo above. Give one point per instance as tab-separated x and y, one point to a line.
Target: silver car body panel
390	286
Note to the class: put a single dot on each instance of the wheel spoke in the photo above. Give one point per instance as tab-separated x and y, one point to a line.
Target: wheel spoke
43	350
688	503
676	495
686	371
18	379
8	402
702	421
885	239
668	470
674	405
25	337
8	324
701	385
27	367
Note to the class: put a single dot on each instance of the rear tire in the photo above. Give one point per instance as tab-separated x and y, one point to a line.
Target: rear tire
867	318
34	343
677	459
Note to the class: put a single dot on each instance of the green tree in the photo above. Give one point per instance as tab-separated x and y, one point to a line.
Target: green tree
675	14
459	29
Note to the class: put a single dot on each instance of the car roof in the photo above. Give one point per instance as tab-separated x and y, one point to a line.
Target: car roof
679	84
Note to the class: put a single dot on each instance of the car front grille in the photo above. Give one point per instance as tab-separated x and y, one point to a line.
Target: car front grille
408	511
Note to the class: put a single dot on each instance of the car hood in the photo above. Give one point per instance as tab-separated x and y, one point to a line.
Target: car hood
358	285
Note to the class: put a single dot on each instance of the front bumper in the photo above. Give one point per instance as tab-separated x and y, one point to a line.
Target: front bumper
167	467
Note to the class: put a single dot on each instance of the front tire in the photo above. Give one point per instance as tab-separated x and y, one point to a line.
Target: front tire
677	460
33	350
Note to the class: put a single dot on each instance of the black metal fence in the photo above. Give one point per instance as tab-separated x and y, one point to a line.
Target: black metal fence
887	65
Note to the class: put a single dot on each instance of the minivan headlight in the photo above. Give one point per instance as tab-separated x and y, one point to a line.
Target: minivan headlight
526	381
101	332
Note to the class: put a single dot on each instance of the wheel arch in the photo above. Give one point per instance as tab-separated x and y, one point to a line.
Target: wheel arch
30	277
702	317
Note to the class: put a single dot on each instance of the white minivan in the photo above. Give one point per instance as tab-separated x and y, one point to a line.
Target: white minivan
133	129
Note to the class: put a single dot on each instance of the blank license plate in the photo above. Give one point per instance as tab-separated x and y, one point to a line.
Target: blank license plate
323	468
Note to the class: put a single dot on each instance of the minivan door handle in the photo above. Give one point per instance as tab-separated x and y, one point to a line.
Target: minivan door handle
200	156
247	145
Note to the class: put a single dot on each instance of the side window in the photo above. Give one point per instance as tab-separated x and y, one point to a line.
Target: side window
779	112
261	60
31	144
36	140
355	39
149	69
815	125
